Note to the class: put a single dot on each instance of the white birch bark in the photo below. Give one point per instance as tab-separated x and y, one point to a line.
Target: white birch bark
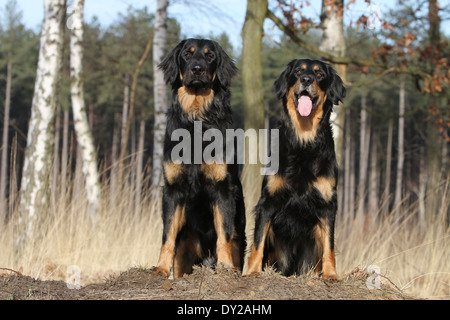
84	136
160	90
39	151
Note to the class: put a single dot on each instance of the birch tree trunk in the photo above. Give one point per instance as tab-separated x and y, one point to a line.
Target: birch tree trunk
160	90
401	155
84	136
37	169
333	42
4	166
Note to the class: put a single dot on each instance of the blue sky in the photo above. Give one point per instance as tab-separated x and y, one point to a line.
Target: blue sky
214	16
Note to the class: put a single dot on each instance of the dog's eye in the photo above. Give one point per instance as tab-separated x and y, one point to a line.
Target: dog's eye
299	71
319	75
187	55
209	56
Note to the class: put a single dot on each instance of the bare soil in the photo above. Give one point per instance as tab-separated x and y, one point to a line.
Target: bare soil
204	283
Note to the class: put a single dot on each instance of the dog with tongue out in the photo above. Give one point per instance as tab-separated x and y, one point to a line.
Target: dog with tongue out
295	215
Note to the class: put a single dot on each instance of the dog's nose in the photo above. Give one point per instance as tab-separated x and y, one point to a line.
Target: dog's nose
306	80
196	69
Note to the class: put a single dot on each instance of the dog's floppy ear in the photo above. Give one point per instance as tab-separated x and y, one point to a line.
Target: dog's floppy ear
280	85
336	90
226	68
170	65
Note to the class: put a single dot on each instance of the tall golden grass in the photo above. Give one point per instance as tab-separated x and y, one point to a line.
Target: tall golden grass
416	260
126	235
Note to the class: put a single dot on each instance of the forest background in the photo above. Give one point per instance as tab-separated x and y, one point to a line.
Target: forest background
392	134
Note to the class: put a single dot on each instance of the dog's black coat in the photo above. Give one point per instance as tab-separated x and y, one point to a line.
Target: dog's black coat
200	73
298	205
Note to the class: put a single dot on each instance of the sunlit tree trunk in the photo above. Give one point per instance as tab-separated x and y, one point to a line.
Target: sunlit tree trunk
373	179
401	155
113	186
432	140
4	165
347	148
64	156
140	165
84	136
37	169
387	176
252	90
123	133
363	158
160	90
56	155
333	42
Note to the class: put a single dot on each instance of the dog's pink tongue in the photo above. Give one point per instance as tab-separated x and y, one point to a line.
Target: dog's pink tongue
304	106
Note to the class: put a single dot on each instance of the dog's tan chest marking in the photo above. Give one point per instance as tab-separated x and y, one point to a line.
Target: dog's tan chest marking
215	171
195	103
173	170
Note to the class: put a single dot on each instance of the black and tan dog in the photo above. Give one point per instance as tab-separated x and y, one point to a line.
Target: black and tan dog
295	216
203	207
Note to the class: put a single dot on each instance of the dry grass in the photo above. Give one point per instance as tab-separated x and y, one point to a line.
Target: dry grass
122	238
415	262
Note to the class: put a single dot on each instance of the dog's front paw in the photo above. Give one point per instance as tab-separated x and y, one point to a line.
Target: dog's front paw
331	277
161	271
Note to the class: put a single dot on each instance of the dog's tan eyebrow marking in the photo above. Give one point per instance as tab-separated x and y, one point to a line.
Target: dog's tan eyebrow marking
303	66
192	49
206	50
316	67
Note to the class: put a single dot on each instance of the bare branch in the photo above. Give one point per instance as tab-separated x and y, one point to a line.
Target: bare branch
342	60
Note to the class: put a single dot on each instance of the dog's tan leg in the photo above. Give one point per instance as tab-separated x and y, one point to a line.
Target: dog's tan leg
255	259
327	265
167	253
224	247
